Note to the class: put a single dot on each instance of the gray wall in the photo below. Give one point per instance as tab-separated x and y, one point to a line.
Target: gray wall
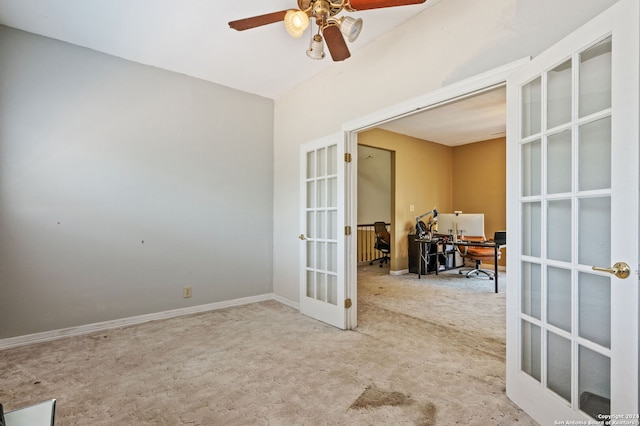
120	184
374	185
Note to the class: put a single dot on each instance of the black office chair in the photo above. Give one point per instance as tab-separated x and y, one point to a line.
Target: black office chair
383	242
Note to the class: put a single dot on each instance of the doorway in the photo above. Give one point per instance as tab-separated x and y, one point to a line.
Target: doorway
375	204
451	158
452	306
354	132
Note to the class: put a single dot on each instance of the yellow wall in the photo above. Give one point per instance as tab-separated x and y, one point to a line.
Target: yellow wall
422	172
479	183
470	178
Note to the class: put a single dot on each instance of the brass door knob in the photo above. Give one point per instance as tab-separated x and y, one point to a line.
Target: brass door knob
302	237
619	269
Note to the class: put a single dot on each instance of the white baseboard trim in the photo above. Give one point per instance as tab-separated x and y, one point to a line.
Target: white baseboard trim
12	342
285	301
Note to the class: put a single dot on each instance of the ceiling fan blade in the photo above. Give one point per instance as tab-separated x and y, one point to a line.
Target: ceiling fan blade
335	43
257	21
379	4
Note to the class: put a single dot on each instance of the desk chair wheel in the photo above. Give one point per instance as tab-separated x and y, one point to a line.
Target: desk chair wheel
477	272
382	260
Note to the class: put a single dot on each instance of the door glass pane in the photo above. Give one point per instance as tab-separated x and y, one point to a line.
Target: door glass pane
595	78
594	308
311	254
559	95
322	162
559	365
311	284
321	227
311	225
332	195
332	289
311	164
321	199
559	230
594	224
531	168
311	194
531	350
531	104
559	162
594	159
531	287
594	382
321	256
332	225
531	229
332	257
332	161
559	297
321	286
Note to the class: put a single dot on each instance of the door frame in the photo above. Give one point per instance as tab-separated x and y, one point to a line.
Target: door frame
480	83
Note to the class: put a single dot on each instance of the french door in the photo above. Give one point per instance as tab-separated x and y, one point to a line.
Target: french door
572	197
323	237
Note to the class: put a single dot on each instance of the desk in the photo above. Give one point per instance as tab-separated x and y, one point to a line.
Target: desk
496	249
438	242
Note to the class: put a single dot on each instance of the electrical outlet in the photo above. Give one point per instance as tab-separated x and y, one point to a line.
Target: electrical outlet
411	207
186	292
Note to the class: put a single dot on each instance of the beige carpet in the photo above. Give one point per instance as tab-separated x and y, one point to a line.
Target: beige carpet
426	352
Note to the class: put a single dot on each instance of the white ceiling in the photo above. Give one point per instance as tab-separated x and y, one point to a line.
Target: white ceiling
472	119
192	37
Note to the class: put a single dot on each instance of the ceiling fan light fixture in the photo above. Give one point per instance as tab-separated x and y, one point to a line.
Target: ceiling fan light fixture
333	31
295	22
316	48
350	27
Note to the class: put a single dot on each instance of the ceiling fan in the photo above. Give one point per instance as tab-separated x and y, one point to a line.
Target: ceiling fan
331	29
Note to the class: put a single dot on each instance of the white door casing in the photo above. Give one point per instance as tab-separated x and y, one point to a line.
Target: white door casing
572	203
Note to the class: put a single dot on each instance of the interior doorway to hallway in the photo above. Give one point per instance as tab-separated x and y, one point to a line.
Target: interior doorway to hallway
354	132
451	157
375	203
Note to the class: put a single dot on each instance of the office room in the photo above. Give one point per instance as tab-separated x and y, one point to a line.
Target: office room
403	177
451	158
153	225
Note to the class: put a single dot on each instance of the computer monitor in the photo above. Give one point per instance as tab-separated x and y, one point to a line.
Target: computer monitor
471	224
445	224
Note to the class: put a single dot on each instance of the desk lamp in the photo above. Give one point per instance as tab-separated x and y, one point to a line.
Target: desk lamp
423	230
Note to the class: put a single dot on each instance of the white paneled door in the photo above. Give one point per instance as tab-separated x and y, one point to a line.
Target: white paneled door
322	237
572	197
